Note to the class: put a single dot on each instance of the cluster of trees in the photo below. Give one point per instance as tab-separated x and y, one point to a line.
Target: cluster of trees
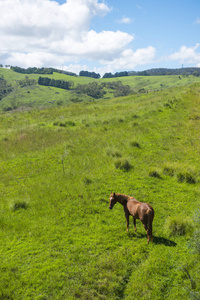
97	91
56	83
26	82
35	70
118	88
32	70
117	74
93	90
6	66
89	74
5	88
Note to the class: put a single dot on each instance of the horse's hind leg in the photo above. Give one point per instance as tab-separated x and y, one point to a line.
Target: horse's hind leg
127	220
147	231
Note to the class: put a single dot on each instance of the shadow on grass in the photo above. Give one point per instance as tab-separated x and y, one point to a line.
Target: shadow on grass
164	241
156	240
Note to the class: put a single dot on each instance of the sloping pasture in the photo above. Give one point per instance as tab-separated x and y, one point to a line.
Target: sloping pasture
58	166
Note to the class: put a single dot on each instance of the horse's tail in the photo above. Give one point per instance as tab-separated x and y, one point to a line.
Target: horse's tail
150	214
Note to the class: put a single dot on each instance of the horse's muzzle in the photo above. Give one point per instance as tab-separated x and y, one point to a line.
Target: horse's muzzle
110	207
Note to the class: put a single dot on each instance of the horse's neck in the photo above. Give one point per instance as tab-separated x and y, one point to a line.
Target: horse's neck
122	199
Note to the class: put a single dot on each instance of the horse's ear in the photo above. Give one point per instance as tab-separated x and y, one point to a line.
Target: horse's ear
113	194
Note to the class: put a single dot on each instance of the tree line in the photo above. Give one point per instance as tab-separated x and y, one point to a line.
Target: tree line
117	74
44	71
89	74
165	71
62	84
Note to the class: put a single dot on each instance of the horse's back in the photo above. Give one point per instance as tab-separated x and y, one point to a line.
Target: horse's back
133	207
138	209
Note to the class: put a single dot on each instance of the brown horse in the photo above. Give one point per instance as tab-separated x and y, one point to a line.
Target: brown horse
138	210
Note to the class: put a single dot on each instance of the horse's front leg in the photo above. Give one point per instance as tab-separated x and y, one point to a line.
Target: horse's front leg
134	222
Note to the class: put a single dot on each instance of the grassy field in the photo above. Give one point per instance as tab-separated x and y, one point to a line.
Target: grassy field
58	167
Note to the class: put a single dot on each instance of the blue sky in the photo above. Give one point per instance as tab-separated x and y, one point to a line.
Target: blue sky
100	36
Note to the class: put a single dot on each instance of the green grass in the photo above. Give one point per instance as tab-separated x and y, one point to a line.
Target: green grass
59	240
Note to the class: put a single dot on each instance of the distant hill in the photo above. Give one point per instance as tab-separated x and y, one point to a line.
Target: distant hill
150	72
165	71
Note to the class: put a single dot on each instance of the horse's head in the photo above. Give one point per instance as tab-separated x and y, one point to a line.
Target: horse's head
112	200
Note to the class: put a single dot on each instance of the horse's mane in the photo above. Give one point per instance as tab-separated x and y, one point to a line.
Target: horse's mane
124	197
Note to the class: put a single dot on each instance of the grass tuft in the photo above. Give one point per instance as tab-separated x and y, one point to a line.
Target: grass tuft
154	173
123	164
87	180
186	176
114	153
19	205
135	144
64	123
169	170
178	226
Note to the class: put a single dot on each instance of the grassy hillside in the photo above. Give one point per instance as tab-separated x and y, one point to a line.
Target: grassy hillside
41	96
58	166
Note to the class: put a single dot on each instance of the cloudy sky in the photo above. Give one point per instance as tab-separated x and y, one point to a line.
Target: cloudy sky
100	36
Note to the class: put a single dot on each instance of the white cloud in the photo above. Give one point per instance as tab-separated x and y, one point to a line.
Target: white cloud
43	33
125	20
129	59
187	55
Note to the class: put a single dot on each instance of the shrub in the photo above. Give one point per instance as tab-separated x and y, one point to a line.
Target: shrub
169	170
56	123
154	173
186	176
19	205
7	108
135	144
178	226
64	123
135	116
190	178
123	165
59	102
180	177
70	123
87	180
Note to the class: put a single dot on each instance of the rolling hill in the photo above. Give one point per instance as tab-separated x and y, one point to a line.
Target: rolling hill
31	94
